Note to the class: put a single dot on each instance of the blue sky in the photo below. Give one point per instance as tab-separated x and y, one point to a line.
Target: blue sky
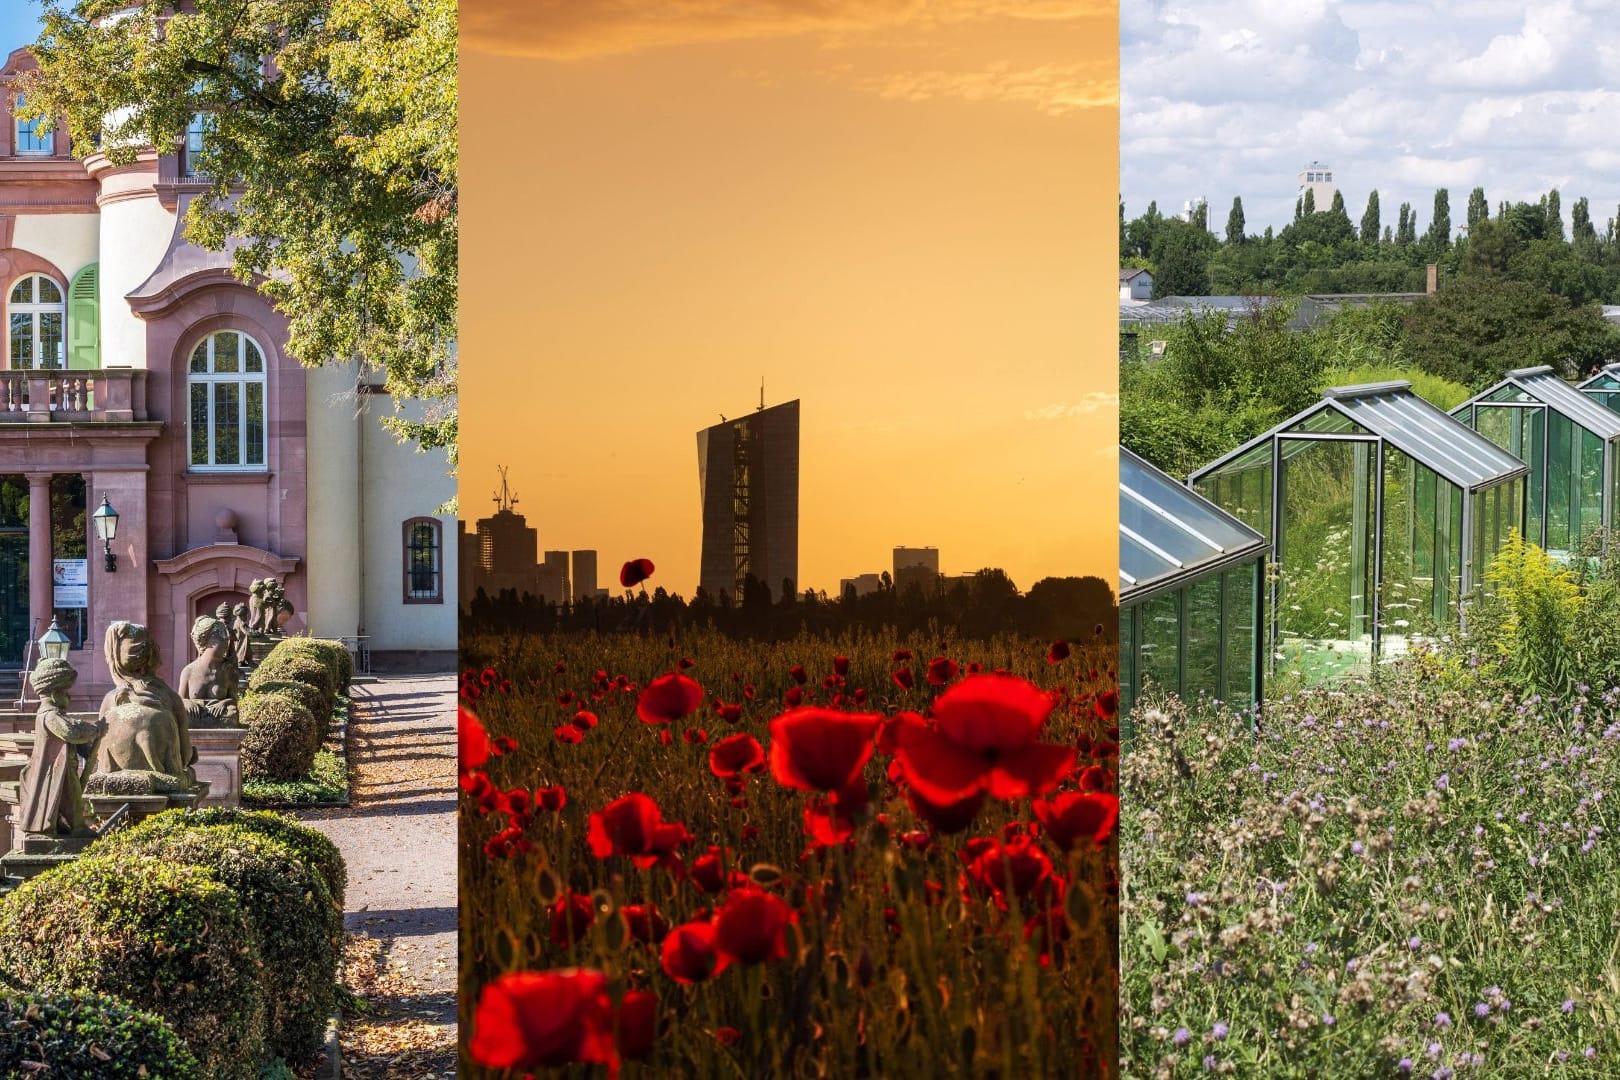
1232	97
19	23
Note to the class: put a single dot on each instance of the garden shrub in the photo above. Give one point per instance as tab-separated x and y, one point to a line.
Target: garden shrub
311	845
281	738
300	929
334	655
167	938
294	663
90	1036
1526	626
310	697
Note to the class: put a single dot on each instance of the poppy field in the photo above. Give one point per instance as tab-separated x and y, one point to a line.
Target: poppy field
1406	880
701	856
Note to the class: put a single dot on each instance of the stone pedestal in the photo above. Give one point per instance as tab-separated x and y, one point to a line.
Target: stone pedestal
219	764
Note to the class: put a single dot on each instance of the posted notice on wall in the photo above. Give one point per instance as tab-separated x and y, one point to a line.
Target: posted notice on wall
71	578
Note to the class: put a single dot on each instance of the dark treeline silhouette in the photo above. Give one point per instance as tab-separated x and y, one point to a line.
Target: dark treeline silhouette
988	604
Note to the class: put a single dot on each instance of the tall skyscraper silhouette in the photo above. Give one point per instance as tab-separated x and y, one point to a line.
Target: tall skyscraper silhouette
748	478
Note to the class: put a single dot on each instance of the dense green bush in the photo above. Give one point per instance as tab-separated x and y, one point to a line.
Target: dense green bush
87	1036
281	738
167	938
333	654
312	846
310	697
299	927
284	664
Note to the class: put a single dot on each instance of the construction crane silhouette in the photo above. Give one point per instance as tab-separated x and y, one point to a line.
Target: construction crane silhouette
505	498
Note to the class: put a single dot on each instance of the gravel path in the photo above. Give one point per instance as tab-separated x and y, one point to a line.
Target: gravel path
398	837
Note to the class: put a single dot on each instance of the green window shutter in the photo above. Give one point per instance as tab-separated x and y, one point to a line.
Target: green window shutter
84	318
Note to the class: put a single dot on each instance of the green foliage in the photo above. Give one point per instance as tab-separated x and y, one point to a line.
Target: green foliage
1442	393
1526	626
312	846
88	1036
310	697
168	939
281	738
298	925
327	782
1181	259
334	123
295	664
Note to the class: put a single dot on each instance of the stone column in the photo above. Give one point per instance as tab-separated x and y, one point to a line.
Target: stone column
41	592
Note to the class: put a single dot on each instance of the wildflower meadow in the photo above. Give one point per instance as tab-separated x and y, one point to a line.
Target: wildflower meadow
691	855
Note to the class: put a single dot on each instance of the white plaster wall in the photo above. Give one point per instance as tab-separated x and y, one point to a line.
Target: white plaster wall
135	233
70	241
398	484
332	492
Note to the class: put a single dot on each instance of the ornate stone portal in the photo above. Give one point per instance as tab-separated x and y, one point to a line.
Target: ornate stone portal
209	684
146	749
51	797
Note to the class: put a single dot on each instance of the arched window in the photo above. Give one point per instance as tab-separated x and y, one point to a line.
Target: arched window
227	387
35	312
424	562
33	136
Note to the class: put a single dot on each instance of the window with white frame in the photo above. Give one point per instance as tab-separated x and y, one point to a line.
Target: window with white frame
35	313
191	150
34	136
228	390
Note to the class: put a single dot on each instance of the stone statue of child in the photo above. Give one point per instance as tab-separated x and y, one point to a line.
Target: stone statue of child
51	801
147	746
241	635
208	684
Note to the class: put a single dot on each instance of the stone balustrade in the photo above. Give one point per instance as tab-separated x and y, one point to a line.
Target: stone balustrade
103	395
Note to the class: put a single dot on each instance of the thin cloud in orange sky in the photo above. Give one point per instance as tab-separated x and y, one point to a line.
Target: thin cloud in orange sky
902	214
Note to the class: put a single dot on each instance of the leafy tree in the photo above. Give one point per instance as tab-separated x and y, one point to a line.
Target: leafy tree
331	149
1439	234
1309	206
1555	216
1181	258
1406	227
1234	222
1481	325
1369	220
1478	208
1580	222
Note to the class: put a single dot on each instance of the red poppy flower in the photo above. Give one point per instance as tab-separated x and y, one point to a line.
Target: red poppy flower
1058	653
984	738
739	753
695	735
731	714
634	572
551	798
633	826
502	744
668	698
793	697
571	916
472	741
532	1020
902	654
568	733
645	923
585	720
827	823
686	662
904	679
816	749
1107	705
1079	817
637	1023
708	871
799	675
841	665
751	927
728	1036
1017	867
941	670
946	818
689	955
1095	778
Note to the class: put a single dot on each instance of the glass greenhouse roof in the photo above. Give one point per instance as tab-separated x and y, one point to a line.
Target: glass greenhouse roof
1544	385
1393	413
1169	533
1606	379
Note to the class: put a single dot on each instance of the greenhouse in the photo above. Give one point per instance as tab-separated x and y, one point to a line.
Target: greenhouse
1382	512
1569	440
1605	386
1189	591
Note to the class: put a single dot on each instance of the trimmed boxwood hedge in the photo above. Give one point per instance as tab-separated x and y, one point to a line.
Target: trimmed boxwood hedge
167	938
299	927
310	697
311	845
89	1036
333	654
281	738
283	665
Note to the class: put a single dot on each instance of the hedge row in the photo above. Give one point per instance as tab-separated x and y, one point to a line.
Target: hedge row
288	707
225	925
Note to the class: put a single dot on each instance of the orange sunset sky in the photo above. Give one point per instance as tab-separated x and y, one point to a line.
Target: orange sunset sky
900	212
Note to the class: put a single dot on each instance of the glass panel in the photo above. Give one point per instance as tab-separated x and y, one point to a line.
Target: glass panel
255	359
1450	542
1508	393
23	291
1325	550
70	539
1161	643
51	354
1589	502
1242	635
199	424
199	356
1127	658
22	340
227	346
423	559
227	424
33	136
1329	421
48	292
255	423
1203	676
1242	487
1562	490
